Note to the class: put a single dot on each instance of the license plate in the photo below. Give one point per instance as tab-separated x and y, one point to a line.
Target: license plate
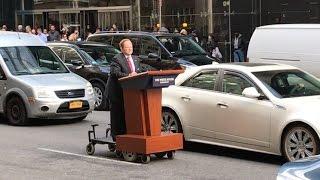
75	104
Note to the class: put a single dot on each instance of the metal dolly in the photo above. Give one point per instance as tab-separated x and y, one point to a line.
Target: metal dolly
93	140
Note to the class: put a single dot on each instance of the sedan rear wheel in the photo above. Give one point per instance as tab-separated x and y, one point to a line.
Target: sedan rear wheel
170	122
300	142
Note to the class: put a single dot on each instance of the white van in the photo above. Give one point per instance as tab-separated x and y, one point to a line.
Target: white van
34	83
293	44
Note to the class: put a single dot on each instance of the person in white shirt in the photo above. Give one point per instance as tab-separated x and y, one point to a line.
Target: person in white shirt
42	36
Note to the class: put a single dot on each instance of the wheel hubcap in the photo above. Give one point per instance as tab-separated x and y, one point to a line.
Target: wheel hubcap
300	144
99	95
169	123
15	111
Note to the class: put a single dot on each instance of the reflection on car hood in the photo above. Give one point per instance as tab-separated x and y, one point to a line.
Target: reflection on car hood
185	63
54	81
198	59
104	69
308	168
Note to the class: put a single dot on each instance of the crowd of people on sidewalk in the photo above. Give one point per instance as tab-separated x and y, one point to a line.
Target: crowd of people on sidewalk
54	34
209	43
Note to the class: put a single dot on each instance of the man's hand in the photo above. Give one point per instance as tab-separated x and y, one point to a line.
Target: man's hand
133	74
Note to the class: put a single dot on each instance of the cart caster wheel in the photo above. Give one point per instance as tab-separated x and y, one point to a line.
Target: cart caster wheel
170	154
145	159
112	147
129	156
90	149
119	154
160	155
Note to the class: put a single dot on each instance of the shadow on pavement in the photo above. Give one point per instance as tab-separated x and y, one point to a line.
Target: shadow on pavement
46	122
234	153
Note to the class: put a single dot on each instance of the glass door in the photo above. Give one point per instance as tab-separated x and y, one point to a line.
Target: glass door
120	18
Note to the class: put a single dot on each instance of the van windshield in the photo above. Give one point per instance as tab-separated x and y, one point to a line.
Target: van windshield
22	60
289	83
180	46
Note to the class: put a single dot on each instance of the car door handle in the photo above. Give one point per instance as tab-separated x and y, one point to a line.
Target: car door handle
222	105
186	98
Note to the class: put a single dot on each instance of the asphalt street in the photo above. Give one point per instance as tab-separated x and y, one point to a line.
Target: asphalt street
55	149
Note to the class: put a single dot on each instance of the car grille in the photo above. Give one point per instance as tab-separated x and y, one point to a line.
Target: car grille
74	93
64	108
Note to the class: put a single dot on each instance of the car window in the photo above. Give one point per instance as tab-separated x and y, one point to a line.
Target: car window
234	84
2	75
27	60
102	39
70	54
205	80
149	45
289	83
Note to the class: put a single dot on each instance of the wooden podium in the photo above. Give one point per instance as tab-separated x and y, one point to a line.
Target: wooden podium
142	100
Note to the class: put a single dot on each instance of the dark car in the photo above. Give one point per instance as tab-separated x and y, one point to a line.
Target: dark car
95	50
158	47
81	63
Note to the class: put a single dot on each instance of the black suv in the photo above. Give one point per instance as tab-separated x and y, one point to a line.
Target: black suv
158	46
81	63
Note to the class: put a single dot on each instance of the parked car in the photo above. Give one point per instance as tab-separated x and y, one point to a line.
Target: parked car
94	49
159	47
292	44
81	63
303	169
36	84
260	107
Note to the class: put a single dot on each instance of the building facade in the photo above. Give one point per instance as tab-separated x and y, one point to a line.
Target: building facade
220	17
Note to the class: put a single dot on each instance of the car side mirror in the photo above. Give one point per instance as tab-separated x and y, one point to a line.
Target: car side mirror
154	56
251	92
76	62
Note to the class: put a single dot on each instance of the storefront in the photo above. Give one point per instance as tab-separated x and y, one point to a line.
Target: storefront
220	17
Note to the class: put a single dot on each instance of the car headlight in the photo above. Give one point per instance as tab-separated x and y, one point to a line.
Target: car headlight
42	93
89	88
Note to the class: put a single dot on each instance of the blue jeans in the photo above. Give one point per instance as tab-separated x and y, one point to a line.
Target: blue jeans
238	55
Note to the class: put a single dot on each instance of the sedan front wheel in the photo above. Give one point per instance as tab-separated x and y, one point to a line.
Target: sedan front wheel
170	122
300	142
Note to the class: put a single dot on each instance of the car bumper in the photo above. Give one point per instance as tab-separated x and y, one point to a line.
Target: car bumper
59	108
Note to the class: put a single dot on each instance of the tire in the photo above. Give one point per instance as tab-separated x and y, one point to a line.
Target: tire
160	155
90	149
130	157
16	112
145	159
170	154
112	147
170	122
99	91
298	142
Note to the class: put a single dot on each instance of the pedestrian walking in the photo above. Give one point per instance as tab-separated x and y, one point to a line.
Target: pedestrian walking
238	46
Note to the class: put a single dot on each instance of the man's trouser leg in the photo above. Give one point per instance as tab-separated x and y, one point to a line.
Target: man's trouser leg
117	120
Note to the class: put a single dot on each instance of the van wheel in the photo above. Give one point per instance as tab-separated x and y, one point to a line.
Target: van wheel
16	112
99	92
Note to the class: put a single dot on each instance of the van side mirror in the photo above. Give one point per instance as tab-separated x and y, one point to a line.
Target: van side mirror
251	92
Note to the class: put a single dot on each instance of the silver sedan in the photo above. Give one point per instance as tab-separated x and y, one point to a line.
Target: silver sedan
260	107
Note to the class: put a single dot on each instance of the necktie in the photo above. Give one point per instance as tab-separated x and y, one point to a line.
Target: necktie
129	64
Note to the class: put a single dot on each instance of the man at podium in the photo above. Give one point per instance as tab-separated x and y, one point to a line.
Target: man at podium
122	65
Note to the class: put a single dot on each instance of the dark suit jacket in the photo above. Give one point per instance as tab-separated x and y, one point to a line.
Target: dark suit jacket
119	68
